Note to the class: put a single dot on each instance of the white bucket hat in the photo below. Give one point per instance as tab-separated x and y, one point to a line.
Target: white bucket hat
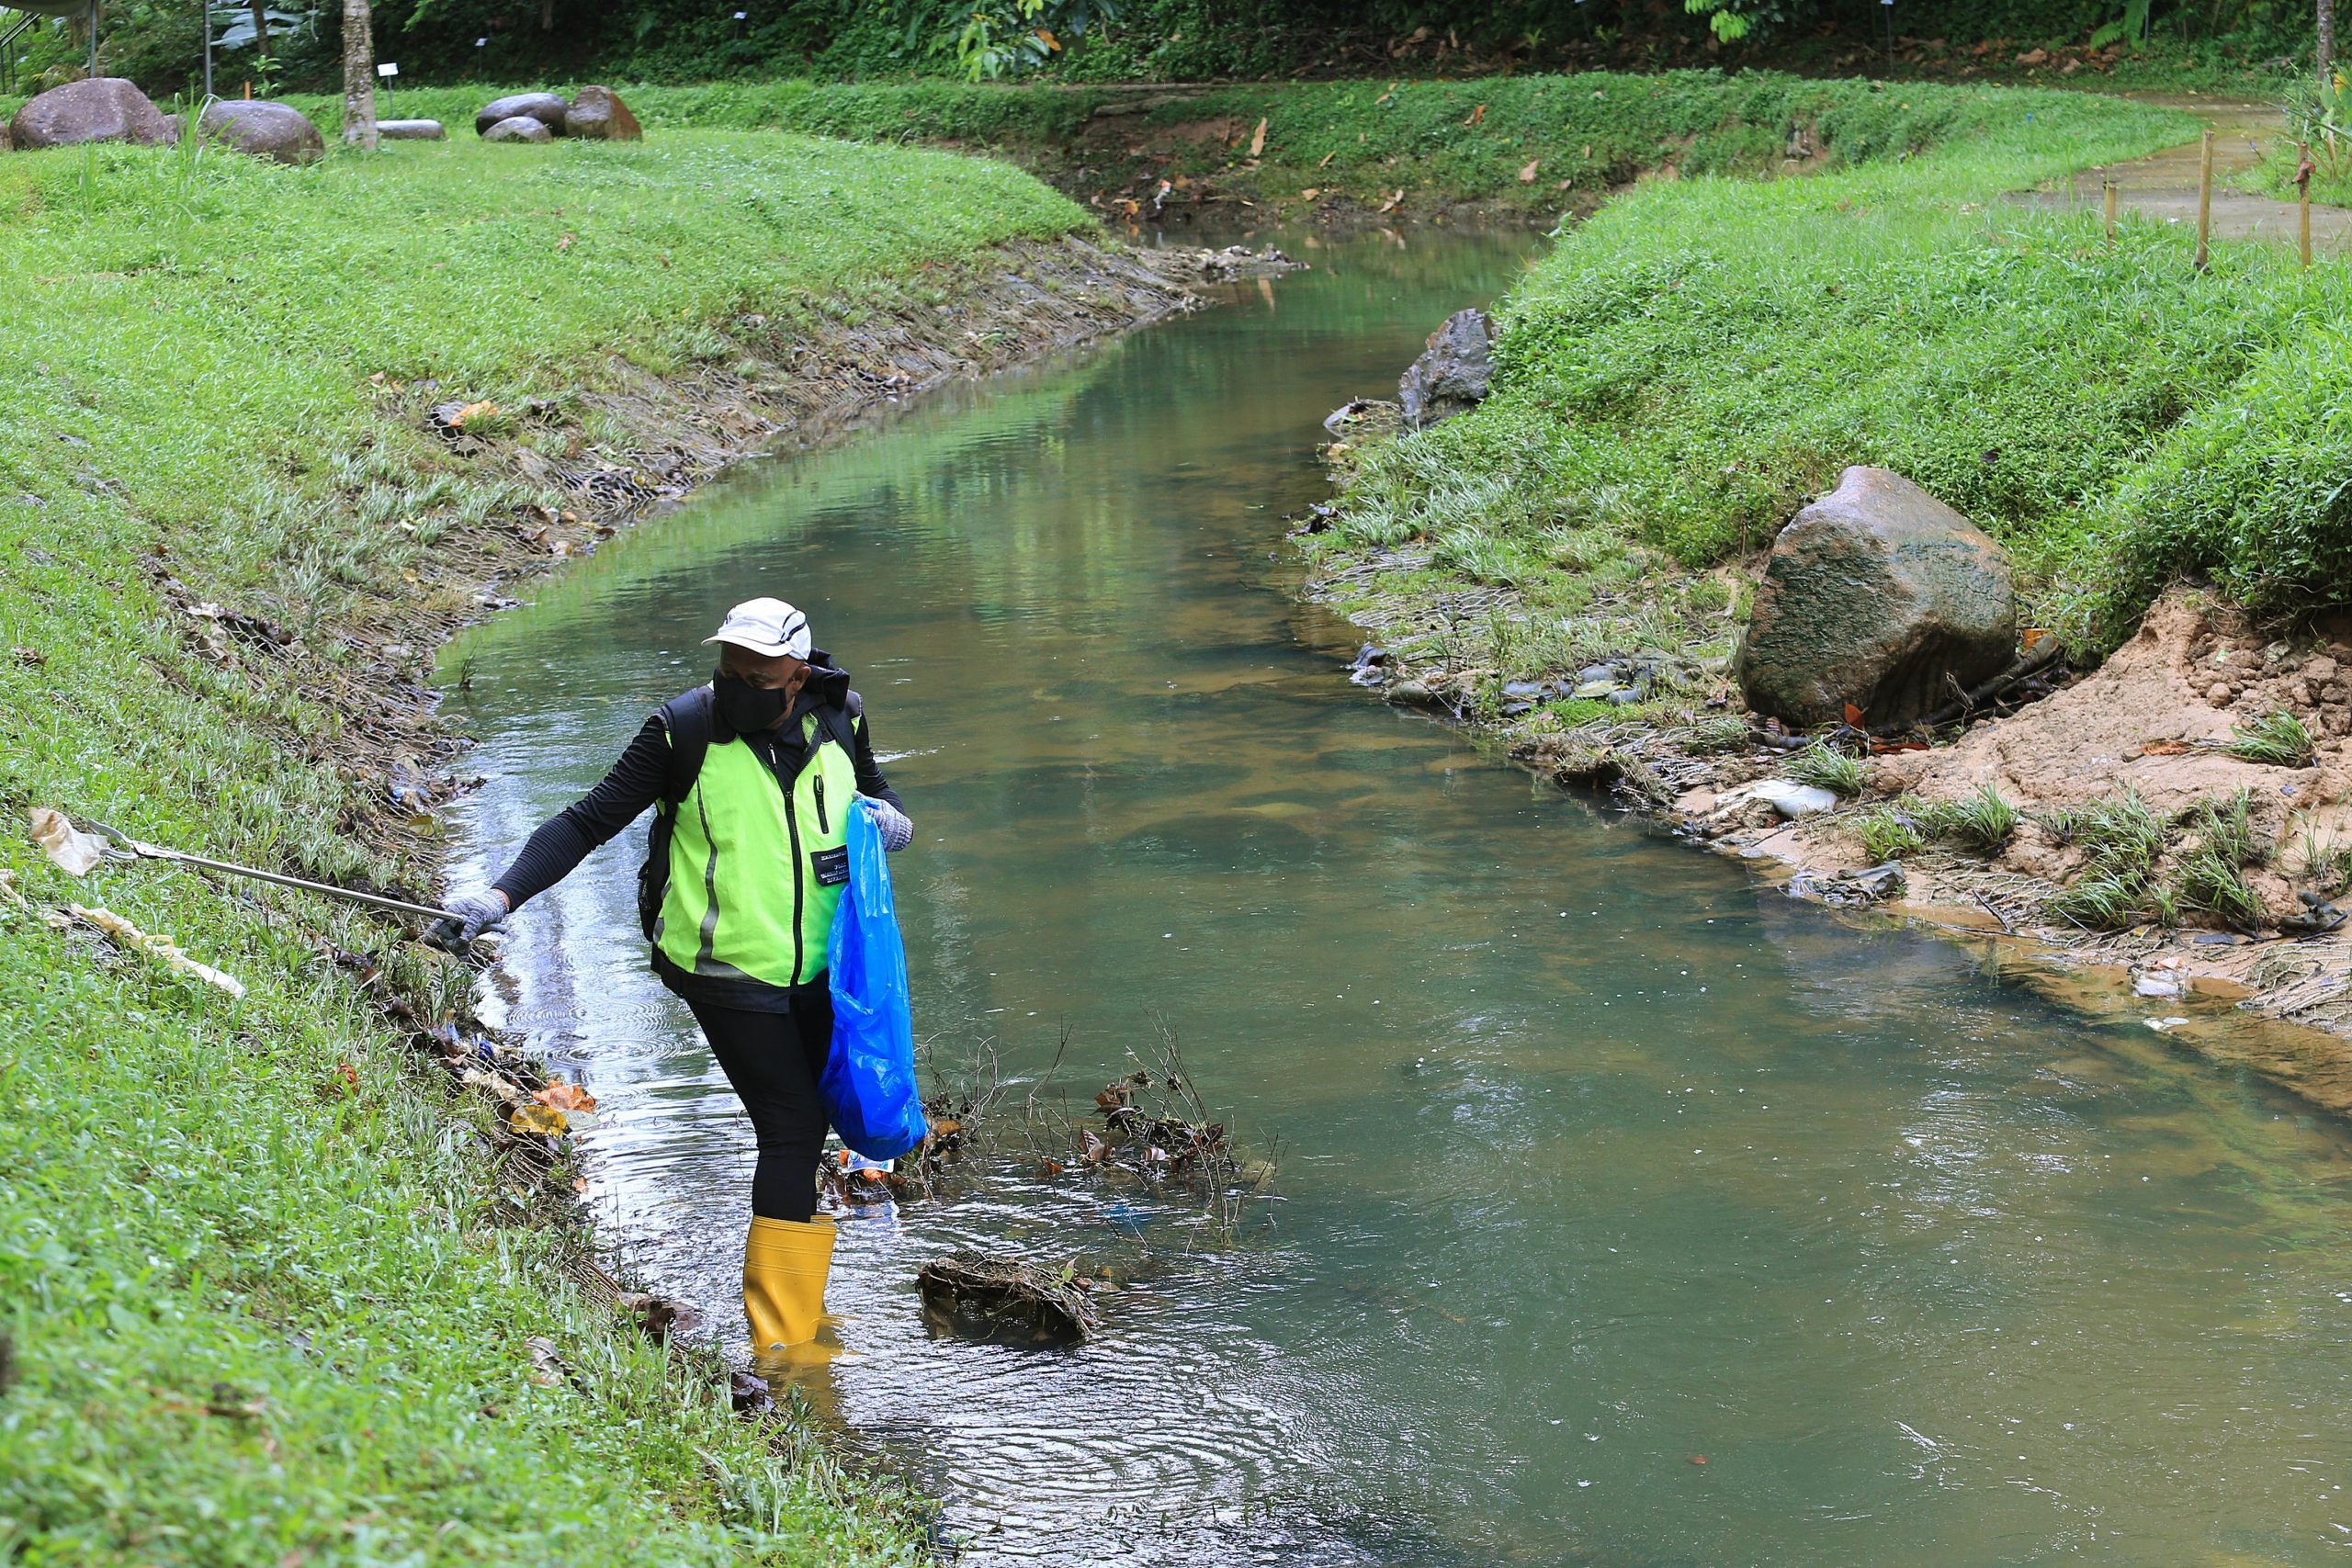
768	627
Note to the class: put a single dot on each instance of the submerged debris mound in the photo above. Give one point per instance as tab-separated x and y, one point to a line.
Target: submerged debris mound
1007	1300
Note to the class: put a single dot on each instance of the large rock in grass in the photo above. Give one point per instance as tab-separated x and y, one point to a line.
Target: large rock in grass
598	113
1881	596
102	109
519	128
1452	374
278	131
548	108
409	131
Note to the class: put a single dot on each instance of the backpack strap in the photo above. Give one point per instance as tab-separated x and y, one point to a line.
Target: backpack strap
688	718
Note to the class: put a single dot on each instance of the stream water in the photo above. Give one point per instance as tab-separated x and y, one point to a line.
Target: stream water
1629	1214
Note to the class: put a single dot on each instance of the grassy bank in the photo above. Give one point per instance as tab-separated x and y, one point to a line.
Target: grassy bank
266	1296
1688	369
1537	143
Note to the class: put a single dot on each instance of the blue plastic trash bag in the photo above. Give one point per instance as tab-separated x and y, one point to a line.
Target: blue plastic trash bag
869	1081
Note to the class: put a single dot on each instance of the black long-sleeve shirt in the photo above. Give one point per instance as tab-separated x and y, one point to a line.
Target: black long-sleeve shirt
637	782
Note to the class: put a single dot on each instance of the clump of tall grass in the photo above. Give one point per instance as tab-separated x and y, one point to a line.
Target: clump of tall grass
1981	822
2211	876
2277	738
1888	832
2122	839
1825	767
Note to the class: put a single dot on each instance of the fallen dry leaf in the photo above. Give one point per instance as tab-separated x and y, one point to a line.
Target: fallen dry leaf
1477	115
561	1096
472	410
1258	141
534	1118
2163	748
1527	174
566	243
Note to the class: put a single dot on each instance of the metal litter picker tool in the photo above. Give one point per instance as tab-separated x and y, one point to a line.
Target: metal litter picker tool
124	847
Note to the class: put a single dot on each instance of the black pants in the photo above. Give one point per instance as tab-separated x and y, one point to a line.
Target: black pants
772	1060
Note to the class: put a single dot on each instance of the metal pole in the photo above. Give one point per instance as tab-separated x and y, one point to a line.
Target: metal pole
2110	208
2204	201
94	39
208	47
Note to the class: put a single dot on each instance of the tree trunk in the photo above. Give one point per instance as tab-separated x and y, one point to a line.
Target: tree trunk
358	75
2326	44
261	26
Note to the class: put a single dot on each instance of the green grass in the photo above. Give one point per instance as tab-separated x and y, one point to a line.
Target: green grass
2210	877
1827	768
1980	822
2277	738
1435	141
260	1311
1689	368
1888	832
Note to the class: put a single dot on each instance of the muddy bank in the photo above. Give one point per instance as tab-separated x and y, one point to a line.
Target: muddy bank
2154	725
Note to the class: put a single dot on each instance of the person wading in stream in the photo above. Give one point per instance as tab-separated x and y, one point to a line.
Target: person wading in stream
752	779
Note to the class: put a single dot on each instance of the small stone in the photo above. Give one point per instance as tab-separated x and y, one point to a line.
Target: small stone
1595	690
518	128
2218	693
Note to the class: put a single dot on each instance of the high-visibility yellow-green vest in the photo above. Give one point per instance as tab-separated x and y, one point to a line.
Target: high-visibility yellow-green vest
755	870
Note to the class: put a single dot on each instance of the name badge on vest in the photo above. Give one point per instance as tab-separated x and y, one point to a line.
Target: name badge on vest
830	865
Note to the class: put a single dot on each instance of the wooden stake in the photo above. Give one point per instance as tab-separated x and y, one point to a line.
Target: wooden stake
2303	199
2110	210
2204	201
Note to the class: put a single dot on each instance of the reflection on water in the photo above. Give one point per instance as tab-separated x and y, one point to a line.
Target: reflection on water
1630	1215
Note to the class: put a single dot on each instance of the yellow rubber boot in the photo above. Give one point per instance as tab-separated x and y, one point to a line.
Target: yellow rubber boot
784	1265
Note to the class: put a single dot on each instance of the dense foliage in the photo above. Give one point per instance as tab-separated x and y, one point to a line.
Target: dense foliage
158	41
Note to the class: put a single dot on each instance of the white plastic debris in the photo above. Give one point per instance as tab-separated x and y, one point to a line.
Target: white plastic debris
1787	797
161	948
75	852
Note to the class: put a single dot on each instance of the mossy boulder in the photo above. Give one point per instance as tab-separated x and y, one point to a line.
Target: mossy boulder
1880	597
597	114
101	109
1452	374
278	131
548	108
519	128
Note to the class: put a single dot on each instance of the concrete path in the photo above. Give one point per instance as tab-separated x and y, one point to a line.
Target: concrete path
2164	186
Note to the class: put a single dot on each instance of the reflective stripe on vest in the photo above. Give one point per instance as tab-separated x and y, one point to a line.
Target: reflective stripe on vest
744	900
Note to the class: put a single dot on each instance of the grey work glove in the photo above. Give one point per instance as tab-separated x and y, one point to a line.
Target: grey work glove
898	829
465	918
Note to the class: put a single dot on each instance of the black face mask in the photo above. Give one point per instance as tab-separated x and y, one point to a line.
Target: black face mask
747	709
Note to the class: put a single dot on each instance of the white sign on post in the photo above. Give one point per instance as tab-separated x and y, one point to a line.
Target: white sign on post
388	68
